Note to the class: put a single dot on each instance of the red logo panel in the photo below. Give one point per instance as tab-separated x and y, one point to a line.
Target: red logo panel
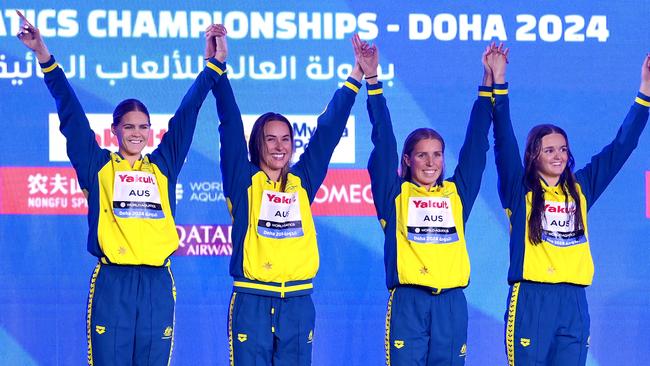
41	191
345	192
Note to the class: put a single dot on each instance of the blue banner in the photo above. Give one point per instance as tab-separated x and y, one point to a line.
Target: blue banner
575	64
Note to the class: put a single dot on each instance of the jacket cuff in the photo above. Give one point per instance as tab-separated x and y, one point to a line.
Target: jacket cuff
216	66
352	84
642	99
375	89
50	65
500	89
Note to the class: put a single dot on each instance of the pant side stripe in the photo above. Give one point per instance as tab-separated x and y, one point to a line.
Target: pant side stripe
230	340
388	316
171	346
91	294
510	329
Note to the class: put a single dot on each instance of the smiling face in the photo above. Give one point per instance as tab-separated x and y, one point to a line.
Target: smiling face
425	162
277	149
552	158
132	132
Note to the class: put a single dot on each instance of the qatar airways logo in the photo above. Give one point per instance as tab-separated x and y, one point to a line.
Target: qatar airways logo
204	240
274	198
100	123
430	204
557	208
304	127
137	179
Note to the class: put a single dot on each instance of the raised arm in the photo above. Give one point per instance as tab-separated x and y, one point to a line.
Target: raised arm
508	160
604	166
384	158
235	166
313	163
471	159
85	154
175	144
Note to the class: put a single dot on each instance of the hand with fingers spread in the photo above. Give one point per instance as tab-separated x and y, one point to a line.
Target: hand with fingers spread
31	37
645	76
497	61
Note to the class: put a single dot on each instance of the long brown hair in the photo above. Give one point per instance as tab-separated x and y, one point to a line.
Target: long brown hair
409	144
567	181
256	143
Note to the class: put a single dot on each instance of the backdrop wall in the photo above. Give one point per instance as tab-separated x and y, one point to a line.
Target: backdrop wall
575	64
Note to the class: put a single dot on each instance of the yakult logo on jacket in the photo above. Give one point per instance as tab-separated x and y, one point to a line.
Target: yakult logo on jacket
137	179
559	208
280	199
100	123
430	204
